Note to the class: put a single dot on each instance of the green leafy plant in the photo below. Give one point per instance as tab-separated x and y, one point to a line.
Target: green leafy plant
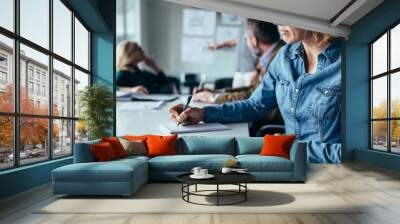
96	103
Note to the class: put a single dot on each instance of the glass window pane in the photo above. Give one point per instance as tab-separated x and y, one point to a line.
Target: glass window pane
62	89
81	81
379	97
81	131
395	136
62	138
34	97
62	29
6	74
379	135
395	94
379	56
395	47
81	45
6	142
33	140
35	21
7	14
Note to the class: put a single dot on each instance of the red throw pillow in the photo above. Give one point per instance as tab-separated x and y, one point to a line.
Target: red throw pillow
161	145
116	145
103	152
277	145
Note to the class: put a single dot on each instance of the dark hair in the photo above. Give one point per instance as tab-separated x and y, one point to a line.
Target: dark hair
263	31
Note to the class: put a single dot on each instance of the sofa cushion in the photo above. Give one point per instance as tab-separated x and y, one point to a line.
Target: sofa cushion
249	145
83	152
112	171
277	145
103	152
199	145
257	163
185	163
161	145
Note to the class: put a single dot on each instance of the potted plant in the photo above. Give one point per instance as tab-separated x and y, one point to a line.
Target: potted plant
96	104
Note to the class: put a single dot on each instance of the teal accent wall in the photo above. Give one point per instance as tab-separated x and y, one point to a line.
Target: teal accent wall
356	73
24	178
99	16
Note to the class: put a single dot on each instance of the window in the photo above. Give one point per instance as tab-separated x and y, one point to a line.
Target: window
45	75
385	94
7	14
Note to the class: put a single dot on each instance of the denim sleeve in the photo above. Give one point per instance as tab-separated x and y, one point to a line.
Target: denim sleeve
319	152
262	100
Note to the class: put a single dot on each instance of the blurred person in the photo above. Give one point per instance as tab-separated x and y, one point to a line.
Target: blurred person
304	81
263	41
130	77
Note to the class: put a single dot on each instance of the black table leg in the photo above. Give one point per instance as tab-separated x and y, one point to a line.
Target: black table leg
196	187
217	194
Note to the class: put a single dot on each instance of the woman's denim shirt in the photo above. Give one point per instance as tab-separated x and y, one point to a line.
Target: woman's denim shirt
309	103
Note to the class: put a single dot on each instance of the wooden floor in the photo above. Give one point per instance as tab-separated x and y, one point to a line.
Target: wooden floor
379	189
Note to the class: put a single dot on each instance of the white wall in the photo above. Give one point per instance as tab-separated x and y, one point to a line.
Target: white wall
161	39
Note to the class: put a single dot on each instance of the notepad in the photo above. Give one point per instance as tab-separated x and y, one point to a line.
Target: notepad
172	128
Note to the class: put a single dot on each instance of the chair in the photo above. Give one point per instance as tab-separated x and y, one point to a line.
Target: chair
191	80
223	83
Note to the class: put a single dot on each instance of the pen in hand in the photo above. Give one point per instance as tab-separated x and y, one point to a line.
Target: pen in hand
186	106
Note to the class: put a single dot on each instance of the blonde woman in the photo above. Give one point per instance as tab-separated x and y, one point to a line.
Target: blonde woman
130	77
304	81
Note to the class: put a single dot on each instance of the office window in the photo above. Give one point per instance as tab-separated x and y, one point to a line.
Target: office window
45	75
62	29
35	21
6	142
81	81
7	14
7	85
81	45
385	91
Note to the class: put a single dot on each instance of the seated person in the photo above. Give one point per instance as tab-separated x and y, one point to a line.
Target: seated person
263	41
130	77
304	81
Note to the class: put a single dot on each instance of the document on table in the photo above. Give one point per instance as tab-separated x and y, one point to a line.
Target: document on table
143	105
127	96
172	128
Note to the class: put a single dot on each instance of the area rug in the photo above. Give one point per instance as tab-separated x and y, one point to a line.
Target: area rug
166	198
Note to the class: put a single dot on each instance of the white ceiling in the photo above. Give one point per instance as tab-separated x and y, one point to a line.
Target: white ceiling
321	9
318	15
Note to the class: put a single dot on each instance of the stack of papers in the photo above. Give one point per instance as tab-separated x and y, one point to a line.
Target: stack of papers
172	128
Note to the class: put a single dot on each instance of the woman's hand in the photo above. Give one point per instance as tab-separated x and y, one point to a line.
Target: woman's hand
152	64
140	89
191	115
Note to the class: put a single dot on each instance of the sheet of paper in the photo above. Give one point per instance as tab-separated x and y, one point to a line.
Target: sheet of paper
225	33
195	50
126	96
147	105
199	22
227	19
172	128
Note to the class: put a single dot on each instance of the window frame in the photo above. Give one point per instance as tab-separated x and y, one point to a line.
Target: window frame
388	74
16	115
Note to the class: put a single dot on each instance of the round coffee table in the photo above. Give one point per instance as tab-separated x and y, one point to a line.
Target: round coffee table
238	179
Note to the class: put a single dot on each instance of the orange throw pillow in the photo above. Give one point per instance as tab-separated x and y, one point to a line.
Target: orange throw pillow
161	145
116	145
136	137
103	152
277	145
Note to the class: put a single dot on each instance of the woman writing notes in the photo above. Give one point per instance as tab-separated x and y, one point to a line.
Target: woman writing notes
130	77
304	81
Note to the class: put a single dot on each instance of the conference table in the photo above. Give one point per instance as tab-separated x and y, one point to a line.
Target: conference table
133	120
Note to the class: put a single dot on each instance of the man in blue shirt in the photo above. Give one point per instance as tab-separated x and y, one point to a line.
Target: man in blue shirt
304	81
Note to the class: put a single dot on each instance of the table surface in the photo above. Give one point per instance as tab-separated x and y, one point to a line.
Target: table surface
146	121
220	178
